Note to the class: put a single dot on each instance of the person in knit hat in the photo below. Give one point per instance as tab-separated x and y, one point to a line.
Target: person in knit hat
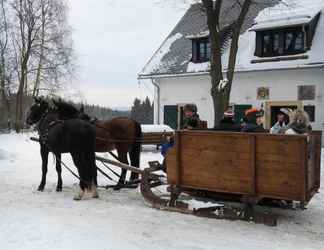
253	118
191	118
227	123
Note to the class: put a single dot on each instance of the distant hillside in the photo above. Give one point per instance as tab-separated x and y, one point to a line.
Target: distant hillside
7	114
102	113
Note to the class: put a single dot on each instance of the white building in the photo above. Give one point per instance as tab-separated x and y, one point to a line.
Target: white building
280	63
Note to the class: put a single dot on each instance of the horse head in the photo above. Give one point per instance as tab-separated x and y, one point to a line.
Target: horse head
37	110
65	109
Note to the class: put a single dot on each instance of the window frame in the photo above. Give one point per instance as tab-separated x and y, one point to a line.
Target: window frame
197	56
281	42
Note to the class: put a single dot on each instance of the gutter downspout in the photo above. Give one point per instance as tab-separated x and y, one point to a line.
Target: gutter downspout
158	98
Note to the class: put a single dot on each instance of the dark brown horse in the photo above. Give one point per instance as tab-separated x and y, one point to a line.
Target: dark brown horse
121	134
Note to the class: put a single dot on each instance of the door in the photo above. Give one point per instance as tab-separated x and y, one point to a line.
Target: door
275	110
171	116
272	109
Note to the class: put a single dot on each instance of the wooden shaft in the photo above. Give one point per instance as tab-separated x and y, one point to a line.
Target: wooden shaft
121	165
125	166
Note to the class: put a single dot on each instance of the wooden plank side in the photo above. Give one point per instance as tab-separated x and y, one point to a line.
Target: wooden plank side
283	176
314	164
224	162
216	162
171	163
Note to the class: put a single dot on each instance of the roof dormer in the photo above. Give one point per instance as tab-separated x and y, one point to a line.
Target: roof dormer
285	36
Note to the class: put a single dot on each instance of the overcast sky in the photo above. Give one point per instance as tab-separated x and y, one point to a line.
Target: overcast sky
113	41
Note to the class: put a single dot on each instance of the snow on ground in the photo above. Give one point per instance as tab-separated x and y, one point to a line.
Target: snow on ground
120	220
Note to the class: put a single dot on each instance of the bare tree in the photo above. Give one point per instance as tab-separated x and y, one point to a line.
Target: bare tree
4	64
55	51
221	84
42	47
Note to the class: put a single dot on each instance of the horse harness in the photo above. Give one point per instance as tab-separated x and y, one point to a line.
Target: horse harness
43	135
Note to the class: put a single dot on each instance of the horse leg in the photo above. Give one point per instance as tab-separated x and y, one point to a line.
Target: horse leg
123	158
59	172
44	153
86	166
90	161
134	155
135	151
77	160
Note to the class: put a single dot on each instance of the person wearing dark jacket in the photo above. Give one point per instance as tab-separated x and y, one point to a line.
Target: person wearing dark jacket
228	123
191	118
253	122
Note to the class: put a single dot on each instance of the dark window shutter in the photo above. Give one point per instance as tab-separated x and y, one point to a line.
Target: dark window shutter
310	110
194	51
258	44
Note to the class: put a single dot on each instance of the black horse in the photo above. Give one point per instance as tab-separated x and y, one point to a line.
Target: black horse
121	133
73	136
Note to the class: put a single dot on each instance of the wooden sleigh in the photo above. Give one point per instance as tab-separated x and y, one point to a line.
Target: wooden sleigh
247	167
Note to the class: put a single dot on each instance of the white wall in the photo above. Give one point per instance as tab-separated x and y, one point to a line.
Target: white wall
282	83
174	91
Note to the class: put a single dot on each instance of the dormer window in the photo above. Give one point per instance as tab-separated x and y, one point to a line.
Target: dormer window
282	42
200	50
285	41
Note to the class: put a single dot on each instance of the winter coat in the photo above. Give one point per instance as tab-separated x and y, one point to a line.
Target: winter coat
278	128
227	124
253	128
191	122
298	129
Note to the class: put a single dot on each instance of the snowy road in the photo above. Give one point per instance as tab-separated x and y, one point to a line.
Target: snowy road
120	220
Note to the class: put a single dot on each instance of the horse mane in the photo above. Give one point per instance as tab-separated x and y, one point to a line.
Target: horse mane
65	109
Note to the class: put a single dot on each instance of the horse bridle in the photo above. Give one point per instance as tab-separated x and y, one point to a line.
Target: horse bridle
43	137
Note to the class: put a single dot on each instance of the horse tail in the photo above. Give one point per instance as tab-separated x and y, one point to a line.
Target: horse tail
135	151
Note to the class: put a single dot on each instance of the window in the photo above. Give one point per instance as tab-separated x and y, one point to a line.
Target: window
201	50
286	41
310	110
280	42
306	92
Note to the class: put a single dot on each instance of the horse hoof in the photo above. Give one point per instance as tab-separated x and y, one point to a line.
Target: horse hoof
78	197
59	189
40	189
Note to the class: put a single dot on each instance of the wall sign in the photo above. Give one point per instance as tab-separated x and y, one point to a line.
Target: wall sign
263	93
306	92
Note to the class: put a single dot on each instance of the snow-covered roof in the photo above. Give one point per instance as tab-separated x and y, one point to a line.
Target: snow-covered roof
174	55
286	13
301	10
291	13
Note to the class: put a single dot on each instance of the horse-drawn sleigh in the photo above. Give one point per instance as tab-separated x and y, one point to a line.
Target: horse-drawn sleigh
249	168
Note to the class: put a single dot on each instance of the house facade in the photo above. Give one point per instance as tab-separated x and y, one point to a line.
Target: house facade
280	63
